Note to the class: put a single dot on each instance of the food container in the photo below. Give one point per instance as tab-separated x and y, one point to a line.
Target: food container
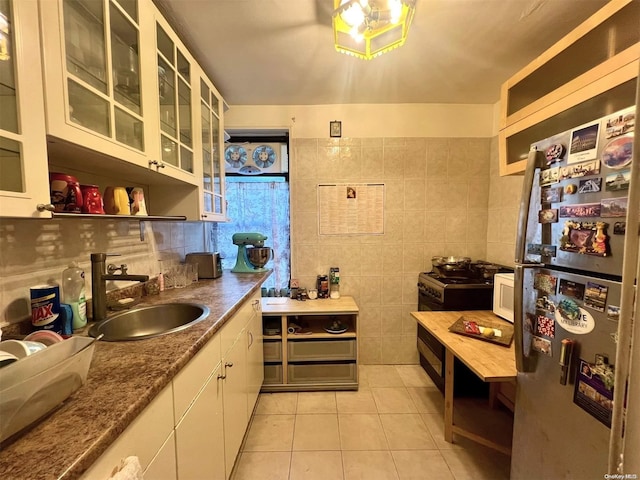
35	385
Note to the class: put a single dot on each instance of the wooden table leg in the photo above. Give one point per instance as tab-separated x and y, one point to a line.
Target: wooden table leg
448	396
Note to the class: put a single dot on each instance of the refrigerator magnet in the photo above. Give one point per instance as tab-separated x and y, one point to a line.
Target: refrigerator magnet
619	228
573	318
551	194
614	207
581	210
549	176
549	215
571	289
621	123
619	152
584	169
590	185
555	153
595	296
613	313
588	238
545	283
594	390
541	345
543	303
617	181
584	143
545	326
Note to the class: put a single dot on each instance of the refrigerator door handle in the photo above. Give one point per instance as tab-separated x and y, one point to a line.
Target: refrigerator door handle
524	362
534	161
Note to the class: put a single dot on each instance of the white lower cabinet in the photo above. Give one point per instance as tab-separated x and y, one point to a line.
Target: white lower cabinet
255	357
235	402
163	465
144	438
200	435
195	427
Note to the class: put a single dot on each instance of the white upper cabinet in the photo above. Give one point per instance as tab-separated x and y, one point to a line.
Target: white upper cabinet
96	94
23	156
213	204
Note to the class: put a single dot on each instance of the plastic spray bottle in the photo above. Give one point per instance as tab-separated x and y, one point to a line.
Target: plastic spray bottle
73	293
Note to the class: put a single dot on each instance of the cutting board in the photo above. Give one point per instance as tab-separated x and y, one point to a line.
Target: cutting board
506	329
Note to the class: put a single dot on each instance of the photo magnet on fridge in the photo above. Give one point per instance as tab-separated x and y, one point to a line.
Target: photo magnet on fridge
541	345
619	228
545	283
584	143
549	215
594	390
617	181
620	123
614	207
590	185
574	318
595	296
613	313
549	176
551	194
543	303
571	289
585	169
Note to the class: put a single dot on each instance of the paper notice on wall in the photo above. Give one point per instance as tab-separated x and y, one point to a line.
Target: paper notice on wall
351	208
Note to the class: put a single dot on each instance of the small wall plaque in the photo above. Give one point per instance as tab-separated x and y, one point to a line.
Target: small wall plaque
335	129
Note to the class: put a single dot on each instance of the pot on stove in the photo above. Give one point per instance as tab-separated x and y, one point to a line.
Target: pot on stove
451	266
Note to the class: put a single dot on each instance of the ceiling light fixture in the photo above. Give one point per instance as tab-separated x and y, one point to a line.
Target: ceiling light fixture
369	28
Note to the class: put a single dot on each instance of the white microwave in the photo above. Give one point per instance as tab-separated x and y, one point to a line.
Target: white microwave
503	295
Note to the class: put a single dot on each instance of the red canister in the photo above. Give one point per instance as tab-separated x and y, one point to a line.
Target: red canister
91	199
65	193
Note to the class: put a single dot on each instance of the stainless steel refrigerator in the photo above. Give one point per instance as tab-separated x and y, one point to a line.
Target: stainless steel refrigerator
569	292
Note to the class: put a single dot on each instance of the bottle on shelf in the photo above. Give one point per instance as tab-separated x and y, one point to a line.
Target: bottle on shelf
334	282
74	294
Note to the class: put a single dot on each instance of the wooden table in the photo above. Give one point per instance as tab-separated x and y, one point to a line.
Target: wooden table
491	362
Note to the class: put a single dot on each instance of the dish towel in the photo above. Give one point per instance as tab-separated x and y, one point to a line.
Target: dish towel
129	469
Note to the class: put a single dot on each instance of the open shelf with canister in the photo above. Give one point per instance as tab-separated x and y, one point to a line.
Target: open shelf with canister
310	345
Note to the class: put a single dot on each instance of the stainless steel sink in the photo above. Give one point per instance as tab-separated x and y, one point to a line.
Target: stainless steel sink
148	322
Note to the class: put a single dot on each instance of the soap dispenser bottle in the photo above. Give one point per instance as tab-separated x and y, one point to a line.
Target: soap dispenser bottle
74	294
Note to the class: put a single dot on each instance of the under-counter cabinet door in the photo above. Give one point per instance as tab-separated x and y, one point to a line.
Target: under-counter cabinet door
96	95
200	434
163	465
235	402
213	206
23	162
255	357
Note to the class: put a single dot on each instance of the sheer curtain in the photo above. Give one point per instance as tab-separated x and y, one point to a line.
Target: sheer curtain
258	204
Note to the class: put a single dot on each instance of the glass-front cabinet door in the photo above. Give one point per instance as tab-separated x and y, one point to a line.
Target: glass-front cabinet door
175	100
23	154
95	94
213	202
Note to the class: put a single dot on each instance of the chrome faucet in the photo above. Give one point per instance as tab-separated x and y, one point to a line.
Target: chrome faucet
100	273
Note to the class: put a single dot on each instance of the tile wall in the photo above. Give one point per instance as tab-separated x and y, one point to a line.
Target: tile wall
504	203
34	252
436	203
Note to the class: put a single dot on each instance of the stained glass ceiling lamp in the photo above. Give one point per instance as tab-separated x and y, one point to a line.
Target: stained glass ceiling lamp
369	28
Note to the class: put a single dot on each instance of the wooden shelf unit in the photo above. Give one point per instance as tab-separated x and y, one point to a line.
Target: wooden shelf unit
591	72
311	359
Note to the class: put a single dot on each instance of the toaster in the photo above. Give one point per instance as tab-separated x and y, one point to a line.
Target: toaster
209	264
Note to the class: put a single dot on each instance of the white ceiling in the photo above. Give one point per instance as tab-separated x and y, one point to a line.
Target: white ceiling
280	52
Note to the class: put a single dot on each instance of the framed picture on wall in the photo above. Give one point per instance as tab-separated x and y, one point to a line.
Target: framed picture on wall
335	129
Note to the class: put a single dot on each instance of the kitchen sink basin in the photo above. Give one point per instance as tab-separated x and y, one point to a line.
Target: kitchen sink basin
148	322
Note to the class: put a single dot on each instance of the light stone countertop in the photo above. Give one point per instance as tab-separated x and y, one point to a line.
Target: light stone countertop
123	379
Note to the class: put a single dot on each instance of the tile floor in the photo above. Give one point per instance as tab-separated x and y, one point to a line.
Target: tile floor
391	428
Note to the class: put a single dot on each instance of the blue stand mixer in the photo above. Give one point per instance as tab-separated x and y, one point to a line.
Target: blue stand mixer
252	254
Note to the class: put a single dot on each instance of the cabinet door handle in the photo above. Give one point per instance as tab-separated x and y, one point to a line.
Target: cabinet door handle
228	364
41	207
221	377
250	339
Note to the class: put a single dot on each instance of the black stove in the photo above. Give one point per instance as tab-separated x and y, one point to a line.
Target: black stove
466	291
